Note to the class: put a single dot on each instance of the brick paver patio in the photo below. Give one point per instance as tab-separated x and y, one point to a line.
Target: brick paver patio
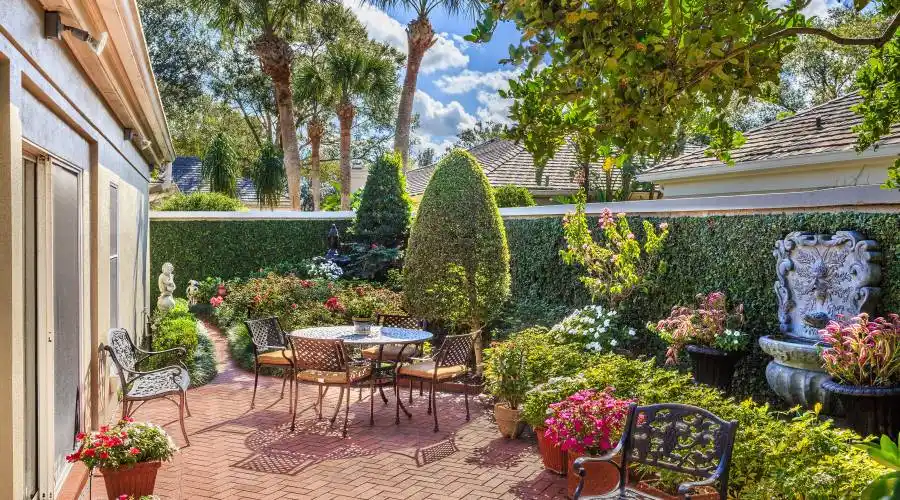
238	453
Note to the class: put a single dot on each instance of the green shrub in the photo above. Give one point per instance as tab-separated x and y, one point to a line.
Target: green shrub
545	358
268	175
384	210
178	331
457	263
220	166
178	327
511	195
204	370
201	202
505	373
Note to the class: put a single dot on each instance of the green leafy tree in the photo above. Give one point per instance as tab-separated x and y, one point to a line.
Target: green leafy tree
481	132
457	262
652	69
419	38
879	84
270	24
384	211
511	195
220	166
426	157
268	176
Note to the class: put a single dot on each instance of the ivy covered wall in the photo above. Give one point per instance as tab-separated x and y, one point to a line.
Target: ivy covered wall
729	253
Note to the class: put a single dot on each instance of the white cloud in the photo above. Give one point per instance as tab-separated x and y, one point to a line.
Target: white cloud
493	107
444	54
438	144
468	80
440	119
817	8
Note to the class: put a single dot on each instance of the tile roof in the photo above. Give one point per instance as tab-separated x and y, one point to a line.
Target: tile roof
186	175
826	128
505	162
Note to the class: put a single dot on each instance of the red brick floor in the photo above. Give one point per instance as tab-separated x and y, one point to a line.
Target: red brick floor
239	453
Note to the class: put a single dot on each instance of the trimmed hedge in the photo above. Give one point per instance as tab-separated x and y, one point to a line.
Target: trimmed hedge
232	249
728	253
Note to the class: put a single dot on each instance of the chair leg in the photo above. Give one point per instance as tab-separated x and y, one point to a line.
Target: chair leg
421	383
383	397
319	405
296	389
291	390
466	396
255	383
430	392
371	402
397	402
186	407
339	401
410	390
181	418
284	377
346	412
434	405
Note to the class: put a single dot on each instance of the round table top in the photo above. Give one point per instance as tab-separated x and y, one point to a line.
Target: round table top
378	335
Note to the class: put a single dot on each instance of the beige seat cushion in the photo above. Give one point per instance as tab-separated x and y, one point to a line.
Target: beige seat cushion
276	357
426	370
357	373
390	353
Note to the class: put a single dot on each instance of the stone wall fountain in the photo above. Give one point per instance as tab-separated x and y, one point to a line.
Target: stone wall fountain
820	276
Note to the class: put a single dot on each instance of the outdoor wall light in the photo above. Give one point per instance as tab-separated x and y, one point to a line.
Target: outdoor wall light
54	28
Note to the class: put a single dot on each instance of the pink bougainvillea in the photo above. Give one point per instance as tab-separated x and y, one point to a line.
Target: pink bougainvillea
588	421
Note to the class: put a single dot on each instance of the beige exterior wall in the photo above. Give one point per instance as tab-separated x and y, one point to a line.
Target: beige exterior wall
59	102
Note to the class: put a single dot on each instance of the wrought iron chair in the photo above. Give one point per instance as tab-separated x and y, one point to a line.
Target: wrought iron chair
680	438
271	349
392	353
326	363
141	386
448	363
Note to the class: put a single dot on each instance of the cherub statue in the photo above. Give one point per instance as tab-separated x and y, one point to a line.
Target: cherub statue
166	284
192	291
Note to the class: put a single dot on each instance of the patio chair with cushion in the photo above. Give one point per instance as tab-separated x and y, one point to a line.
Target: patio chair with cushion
270	349
448	363
676	437
392	353
326	363
141	386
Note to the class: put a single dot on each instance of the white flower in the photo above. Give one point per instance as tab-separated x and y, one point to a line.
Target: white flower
613	342
596	335
603	330
606	323
631	332
613	313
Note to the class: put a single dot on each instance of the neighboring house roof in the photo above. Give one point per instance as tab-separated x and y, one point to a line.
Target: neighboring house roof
823	129
186	174
506	162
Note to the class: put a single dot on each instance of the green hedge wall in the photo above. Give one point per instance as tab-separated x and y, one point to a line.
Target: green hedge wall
235	248
729	253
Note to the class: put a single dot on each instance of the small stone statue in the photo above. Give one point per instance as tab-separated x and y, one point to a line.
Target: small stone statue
334	243
166	284
192	291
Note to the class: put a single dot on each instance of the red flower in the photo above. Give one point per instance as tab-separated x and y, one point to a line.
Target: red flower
73	457
134	451
79	436
88	452
104	455
333	304
306	283
123	497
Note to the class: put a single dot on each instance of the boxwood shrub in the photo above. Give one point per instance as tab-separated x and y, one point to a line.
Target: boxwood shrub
178	327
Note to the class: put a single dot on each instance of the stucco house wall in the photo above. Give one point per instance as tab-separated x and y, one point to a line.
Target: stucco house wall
64	107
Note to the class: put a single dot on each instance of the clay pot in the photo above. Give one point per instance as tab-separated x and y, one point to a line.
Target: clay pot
648	486
555	460
713	367
600	477
870	410
508	420
136	480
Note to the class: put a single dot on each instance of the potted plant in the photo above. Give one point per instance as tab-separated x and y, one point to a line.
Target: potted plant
588	422
506	379
128	455
709	334
362	309
534	413
863	358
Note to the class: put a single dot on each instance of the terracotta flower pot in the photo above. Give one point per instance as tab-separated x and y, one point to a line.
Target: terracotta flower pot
508	420
137	480
713	367
555	460
648	486
870	410
600	477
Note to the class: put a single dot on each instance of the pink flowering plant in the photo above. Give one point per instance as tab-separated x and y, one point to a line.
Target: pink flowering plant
124	444
861	351
709	324
615	262
588	421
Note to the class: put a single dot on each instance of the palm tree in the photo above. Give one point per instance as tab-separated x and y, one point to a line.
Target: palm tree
358	72
270	25
419	38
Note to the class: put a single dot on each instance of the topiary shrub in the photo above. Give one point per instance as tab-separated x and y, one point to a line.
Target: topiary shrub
178	327
511	195
384	210
457	262
220	166
201	202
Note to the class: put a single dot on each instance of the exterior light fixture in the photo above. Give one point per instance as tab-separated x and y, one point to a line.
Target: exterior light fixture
54	28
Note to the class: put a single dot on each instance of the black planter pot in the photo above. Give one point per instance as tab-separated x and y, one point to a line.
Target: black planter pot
713	367
870	410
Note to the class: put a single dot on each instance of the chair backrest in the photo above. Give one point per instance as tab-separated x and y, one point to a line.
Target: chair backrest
401	321
122	351
680	438
327	355
456	350
265	333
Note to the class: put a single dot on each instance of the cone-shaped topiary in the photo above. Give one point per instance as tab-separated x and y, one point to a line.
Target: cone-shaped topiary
384	211
220	166
457	263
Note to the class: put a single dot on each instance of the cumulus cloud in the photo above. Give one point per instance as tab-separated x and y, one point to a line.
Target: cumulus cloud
492	107
468	80
437	119
444	54
817	8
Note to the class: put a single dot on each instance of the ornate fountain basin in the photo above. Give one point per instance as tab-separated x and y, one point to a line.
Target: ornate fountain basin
796	373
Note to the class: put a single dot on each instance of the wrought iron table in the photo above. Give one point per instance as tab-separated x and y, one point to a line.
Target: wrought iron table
378	335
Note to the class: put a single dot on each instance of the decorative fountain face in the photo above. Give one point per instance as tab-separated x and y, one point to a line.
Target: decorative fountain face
820	276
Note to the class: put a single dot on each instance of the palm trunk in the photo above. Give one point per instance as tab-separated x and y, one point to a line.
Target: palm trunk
345	114
586	178
419	38
315	128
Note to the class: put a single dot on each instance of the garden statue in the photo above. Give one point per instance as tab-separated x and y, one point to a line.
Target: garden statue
819	276
192	291
166	283
334	243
